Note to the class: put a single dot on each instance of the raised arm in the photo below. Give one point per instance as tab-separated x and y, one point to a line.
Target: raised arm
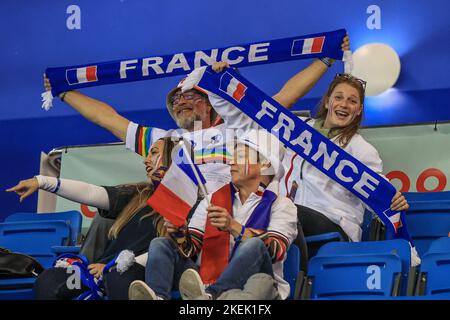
302	82
95	111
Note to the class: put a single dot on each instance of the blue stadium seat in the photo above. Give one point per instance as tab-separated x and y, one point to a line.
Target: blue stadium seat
428	218
427	196
336	236
72	218
399	247
351	276
291	267
35	238
347	263
441	245
434	277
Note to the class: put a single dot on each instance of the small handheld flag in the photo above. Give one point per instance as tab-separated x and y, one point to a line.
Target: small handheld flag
178	191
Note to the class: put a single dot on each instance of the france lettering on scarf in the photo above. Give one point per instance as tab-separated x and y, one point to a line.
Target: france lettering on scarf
326	44
177	193
315	148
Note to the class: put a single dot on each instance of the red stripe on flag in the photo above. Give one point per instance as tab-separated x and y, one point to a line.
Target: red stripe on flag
169	205
288	175
91	73
397	225
140	134
317	45
239	92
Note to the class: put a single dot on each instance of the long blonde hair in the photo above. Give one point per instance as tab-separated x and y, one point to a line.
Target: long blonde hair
139	201
350	130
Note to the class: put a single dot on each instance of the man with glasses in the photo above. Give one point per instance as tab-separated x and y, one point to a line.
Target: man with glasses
194	116
185	109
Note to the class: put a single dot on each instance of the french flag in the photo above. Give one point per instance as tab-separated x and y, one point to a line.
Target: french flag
395	219
307	46
232	86
178	190
81	75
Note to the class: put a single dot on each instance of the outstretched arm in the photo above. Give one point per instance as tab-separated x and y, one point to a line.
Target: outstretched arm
73	190
305	80
95	111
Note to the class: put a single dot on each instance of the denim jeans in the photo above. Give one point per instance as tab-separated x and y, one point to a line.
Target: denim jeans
165	265
251	257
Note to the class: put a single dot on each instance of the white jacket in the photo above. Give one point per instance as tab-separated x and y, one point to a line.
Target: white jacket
318	192
315	189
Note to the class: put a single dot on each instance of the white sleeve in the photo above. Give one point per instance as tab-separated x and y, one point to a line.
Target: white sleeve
77	191
131	135
233	117
283	219
367	154
134	131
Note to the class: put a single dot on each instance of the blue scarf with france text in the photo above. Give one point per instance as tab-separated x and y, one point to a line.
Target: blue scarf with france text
375	191
326	44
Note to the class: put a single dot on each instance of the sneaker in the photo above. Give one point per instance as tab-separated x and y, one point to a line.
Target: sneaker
139	290
191	286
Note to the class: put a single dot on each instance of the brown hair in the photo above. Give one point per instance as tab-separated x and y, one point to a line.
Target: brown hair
139	201
350	130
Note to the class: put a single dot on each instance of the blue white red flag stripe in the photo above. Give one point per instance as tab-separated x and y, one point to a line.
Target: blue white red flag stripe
395	220
82	75
307	46
178	190
233	87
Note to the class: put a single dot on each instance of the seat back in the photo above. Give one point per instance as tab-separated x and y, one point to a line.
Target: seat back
428	218
291	267
354	276
34	238
441	245
73	219
435	269
398	247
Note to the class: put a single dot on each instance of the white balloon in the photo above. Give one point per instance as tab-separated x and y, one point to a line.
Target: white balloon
378	64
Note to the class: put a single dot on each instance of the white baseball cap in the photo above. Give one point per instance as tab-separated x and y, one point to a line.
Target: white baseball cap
268	146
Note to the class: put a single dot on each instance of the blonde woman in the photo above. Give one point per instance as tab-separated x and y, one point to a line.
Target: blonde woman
136	224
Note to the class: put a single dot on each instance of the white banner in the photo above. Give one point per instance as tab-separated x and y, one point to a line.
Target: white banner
106	165
415	158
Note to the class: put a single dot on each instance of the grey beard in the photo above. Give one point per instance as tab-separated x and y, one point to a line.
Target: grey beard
188	123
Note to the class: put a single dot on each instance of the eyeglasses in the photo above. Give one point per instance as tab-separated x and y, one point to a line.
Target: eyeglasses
352	78
187	96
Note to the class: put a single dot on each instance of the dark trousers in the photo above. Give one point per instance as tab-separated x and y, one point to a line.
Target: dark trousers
314	223
116	284
52	284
